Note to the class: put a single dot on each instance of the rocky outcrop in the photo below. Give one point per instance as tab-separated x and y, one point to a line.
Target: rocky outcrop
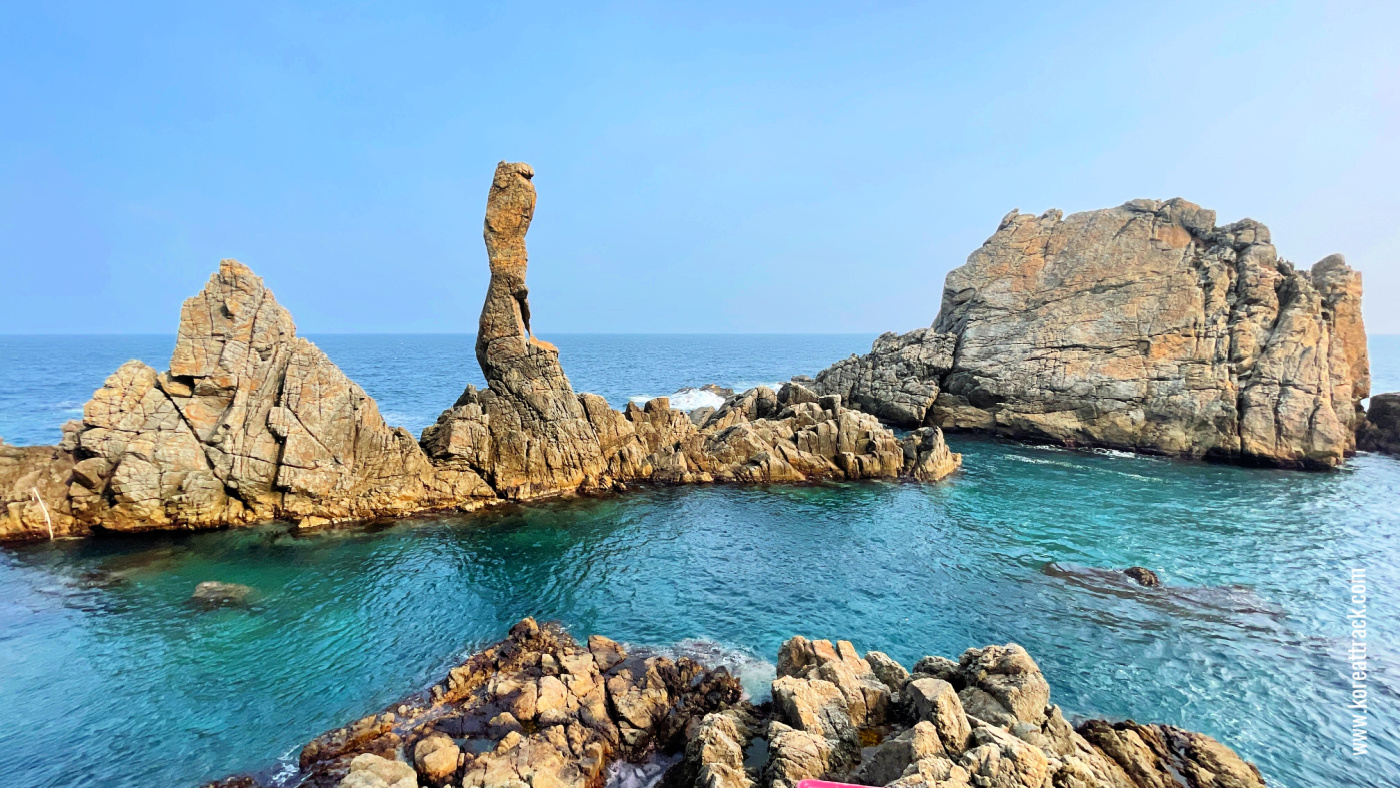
536	709
529	435
1143	327
1381	429
539	709
985	720
253	423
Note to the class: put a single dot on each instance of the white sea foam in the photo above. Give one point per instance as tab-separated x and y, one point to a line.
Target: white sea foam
755	673
1115	453
687	399
646	774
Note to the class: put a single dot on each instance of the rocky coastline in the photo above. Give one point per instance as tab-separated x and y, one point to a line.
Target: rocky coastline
1145	328
539	709
252	423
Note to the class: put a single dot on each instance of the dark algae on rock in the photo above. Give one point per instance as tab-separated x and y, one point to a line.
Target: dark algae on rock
540	710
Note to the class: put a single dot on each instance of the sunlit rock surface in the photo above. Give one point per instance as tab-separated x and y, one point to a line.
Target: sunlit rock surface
1143	327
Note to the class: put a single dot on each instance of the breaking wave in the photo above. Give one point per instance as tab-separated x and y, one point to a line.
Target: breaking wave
755	673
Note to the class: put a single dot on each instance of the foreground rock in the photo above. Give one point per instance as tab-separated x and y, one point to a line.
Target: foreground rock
985	720
252	423
1381	430
536	709
540	710
1143	327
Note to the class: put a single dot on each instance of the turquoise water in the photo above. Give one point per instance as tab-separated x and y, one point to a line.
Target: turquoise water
110	678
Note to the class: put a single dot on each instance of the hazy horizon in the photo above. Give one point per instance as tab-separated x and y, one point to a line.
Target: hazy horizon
812	168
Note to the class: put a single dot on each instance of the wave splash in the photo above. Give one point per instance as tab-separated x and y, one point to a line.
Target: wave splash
755	673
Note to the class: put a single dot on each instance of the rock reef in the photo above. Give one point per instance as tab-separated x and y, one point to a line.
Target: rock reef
540	710
1144	327
253	423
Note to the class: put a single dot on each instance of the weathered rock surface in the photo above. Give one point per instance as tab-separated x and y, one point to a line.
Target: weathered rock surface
1381	430
985	720
1143	327
1143	576
536	709
252	423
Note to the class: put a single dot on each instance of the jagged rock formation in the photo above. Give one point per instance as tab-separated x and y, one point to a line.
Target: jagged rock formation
253	423
529	435
538	709
1381	429
985	720
1142	327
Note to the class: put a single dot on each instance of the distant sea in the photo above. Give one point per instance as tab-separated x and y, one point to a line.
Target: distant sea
108	677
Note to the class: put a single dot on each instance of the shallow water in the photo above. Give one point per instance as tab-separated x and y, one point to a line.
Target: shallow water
111	678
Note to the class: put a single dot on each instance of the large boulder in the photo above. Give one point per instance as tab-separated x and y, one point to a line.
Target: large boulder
1381	430
250	423
1143	327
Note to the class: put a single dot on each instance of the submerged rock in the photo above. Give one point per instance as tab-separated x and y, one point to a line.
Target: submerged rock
1144	327
1143	576
212	594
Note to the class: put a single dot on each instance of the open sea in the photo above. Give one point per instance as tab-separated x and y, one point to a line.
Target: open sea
110	678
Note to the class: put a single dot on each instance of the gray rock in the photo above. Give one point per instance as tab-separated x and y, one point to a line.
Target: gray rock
887	670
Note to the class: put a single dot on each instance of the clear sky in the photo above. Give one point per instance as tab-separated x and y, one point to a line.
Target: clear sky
725	167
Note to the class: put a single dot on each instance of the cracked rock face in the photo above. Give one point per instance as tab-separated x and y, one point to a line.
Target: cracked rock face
251	423
1142	327
985	720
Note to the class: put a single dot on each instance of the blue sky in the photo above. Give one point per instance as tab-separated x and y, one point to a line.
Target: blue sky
726	167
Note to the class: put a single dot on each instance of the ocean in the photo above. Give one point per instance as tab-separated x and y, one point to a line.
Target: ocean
109	677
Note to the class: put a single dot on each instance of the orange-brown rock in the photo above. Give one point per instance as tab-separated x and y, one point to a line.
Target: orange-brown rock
1143	327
